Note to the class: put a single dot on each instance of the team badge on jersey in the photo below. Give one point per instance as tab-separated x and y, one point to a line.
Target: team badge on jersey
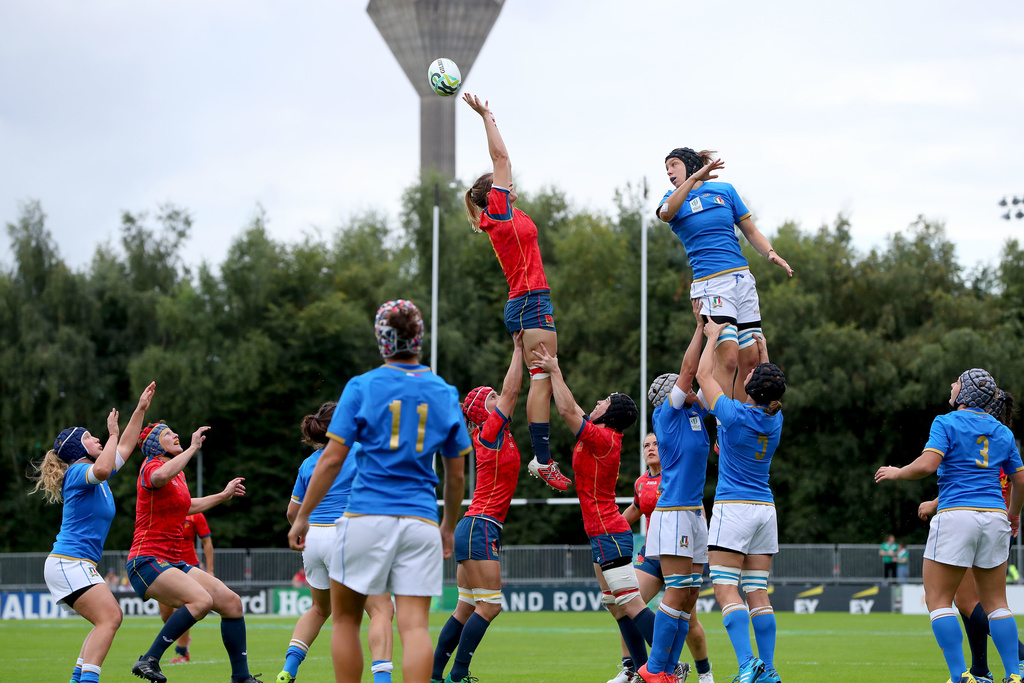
695	205
719	200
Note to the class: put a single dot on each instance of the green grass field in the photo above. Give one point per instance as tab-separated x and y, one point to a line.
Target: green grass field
540	647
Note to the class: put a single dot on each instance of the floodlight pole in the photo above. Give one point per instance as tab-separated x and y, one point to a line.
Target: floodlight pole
643	343
433	279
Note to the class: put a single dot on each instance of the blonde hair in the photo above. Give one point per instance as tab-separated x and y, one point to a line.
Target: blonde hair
476	199
49	476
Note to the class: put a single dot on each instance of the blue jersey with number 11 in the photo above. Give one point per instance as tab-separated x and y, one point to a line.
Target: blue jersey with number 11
974	446
401	415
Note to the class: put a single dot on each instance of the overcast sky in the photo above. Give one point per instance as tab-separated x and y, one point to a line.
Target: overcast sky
880	109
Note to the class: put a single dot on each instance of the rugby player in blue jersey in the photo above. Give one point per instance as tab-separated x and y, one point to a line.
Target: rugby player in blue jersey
972	528
744	532
388	541
705	215
75	472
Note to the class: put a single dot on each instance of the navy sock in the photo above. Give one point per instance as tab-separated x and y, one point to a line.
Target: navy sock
627	663
447	641
634	641
472	634
179	622
645	623
976	626
181	650
540	436
232	632
703	666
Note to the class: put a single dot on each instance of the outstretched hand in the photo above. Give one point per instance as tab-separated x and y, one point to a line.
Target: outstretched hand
707	171
199	437
887	473
147	396
234	488
780	262
473	101
112	428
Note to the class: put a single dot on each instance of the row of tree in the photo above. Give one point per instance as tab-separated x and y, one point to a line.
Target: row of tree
869	343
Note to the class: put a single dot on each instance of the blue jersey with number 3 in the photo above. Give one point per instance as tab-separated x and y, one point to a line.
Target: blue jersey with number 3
974	446
747	441
401	415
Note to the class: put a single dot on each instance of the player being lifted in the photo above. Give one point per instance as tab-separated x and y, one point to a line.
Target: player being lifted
514	238
703	215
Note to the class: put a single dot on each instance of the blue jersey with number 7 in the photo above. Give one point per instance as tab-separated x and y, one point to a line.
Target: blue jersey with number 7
747	441
401	415
974	446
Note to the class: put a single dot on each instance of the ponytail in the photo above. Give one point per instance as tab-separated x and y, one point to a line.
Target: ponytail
476	199
49	476
314	427
472	213
773	408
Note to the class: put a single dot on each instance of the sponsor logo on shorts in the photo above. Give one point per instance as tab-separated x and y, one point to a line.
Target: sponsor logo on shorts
548	320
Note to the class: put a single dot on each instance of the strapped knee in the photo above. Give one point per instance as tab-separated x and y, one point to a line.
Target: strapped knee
728	334
696	580
622	583
725	576
538	373
680	581
607	598
754	580
746	337
466	596
488	595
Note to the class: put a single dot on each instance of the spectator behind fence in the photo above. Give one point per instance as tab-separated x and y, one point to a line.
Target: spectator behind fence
887	552
902	562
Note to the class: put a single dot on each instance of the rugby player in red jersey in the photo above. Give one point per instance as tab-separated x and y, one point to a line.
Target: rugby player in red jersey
514	238
595	461
478	534
155	567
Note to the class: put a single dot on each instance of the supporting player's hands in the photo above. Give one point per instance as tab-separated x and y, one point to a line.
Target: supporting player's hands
707	171
887	473
712	329
696	304
479	107
297	534
234	489
517	341
927	509
198	437
112	427
147	396
544	360
779	261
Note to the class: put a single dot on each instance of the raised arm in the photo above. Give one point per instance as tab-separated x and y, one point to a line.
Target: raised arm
705	370
762	348
566	404
762	245
105	465
234	488
675	200
495	145
691	359
170	469
130	436
513	378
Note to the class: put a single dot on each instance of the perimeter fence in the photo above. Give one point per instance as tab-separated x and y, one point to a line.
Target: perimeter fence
524	564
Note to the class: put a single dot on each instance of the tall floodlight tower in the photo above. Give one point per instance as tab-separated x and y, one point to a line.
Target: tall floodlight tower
420	31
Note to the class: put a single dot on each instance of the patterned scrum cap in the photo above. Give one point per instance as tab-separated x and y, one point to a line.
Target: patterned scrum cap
977	389
388	341
767	384
69	446
475	405
691	159
661	387
621	413
149	440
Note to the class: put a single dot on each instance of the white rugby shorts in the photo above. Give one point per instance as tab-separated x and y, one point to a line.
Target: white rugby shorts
65	575
316	557
968	538
730	295
376	554
744	528
680	533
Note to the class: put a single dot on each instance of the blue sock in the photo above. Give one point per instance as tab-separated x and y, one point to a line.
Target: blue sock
1004	637
680	642
381	670
950	638
447	641
180	621
634	641
976	627
666	625
703	666
76	673
645	623
232	632
763	621
90	674
471	636
540	437
736	622
296	654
